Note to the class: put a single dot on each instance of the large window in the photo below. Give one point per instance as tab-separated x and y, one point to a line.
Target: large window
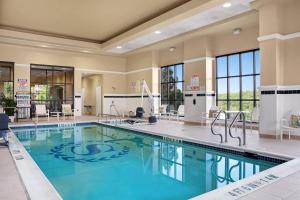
6	81
52	85
237	81
172	84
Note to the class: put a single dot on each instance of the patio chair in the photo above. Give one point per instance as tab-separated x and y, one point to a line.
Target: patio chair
210	116
178	113
67	111
163	111
41	111
289	126
4	119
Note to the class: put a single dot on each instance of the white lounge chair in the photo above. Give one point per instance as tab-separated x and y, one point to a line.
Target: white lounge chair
41	111
210	116
289	126
163	111
67	111
178	113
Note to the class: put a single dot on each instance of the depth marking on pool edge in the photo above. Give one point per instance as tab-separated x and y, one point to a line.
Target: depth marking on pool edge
252	186
19	157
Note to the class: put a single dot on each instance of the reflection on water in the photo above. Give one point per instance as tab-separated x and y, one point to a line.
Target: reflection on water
111	162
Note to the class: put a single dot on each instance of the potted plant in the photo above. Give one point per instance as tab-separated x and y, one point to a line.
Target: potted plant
9	108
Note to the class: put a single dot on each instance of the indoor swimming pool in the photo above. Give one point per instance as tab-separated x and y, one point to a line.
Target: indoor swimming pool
93	161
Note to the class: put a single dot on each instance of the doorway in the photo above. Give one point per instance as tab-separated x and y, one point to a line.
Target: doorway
91	91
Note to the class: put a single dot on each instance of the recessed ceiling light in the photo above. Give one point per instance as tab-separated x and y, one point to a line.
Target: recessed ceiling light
227	5
44	46
157	32
85	51
119	47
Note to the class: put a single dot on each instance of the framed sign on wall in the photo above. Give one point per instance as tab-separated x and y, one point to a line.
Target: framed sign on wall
22	85
195	82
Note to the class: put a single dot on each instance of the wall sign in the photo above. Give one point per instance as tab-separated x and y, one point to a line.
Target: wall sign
22	85
195	82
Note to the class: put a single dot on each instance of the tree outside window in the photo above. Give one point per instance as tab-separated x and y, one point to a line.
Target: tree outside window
172	84
238	80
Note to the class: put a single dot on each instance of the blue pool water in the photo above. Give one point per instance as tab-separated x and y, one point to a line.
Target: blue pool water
99	162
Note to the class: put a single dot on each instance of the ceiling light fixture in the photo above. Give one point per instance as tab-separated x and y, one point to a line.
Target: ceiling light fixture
157	32
85	51
171	49
44	46
236	31
227	5
119	47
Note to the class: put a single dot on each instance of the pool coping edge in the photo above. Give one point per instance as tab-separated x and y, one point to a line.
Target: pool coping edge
30	173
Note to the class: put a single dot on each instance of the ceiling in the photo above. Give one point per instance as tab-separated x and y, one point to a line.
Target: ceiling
215	13
87	20
116	27
245	22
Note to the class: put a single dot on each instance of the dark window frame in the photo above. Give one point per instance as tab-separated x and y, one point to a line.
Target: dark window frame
53	68
181	101
254	75
12	74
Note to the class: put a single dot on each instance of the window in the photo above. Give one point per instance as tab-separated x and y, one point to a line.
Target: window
6	81
237	81
171	161
172	84
52	85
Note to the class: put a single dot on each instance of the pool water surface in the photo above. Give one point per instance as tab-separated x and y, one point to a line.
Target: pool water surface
101	162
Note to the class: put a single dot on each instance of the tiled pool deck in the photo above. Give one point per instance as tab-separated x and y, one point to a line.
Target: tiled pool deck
285	188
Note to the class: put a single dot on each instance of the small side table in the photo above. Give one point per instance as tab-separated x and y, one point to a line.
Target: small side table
55	114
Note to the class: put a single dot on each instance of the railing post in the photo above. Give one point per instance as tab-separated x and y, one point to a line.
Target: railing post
244	128
226	140
212	126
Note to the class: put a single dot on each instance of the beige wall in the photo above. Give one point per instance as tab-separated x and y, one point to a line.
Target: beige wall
138	61
197	47
193	48
291	72
198	69
280	58
81	62
141	61
166	57
229	43
121	83
135	79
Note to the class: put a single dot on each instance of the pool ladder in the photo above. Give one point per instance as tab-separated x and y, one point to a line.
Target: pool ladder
228	129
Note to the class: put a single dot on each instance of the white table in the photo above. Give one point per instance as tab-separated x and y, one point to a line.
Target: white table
56	114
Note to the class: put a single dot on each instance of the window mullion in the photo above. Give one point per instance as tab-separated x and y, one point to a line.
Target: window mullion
241	84
228	84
